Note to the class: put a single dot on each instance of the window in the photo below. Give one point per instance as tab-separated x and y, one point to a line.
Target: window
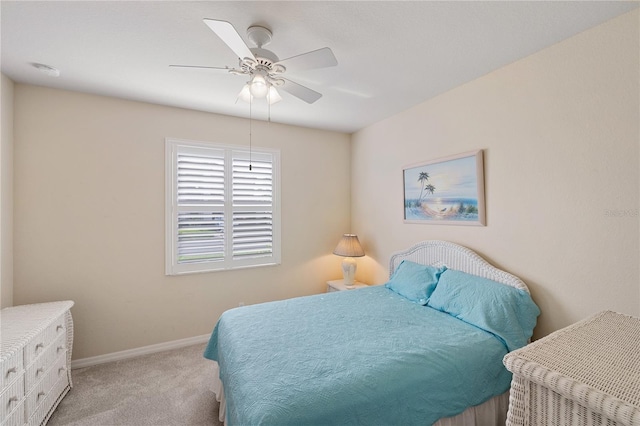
220	214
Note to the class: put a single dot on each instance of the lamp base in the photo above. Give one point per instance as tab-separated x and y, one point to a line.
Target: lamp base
349	271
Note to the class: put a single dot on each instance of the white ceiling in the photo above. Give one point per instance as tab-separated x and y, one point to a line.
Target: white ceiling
391	54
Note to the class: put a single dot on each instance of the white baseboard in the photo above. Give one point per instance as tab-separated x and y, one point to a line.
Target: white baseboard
132	353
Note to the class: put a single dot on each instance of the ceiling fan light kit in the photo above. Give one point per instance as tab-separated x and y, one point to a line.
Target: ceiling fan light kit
263	67
259	85
273	96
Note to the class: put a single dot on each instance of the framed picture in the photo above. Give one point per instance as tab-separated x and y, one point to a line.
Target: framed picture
445	191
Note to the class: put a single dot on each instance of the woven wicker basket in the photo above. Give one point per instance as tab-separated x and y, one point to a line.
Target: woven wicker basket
585	374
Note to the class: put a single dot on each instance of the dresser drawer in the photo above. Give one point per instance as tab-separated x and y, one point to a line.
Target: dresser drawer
36	396
11	368
35	347
36	371
60	388
39	344
16	418
42	390
59	346
11	397
58	328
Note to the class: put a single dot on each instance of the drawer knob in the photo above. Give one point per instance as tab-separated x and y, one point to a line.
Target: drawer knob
60	327
59	348
40	395
39	346
61	370
39	370
11	401
11	370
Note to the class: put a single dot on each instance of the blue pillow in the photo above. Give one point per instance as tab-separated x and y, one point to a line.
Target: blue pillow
507	312
414	281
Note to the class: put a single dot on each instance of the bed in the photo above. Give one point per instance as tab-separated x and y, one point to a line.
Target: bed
425	348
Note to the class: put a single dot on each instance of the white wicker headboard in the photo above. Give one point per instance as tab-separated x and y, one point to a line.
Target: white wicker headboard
454	256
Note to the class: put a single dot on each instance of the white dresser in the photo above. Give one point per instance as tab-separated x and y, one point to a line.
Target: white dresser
35	358
587	374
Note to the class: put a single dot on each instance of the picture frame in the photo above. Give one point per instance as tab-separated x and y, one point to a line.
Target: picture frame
446	191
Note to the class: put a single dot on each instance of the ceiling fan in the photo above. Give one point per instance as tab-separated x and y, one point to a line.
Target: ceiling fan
264	69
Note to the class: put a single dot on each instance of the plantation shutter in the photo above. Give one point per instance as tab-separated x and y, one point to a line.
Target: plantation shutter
252	205
201	199
221	214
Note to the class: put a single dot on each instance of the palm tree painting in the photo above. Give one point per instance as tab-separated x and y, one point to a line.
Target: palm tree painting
445	191
423	177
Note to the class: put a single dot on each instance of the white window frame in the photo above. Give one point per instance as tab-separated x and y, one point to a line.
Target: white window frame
172	267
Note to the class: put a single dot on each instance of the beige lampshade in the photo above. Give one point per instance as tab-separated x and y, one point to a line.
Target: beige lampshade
349	246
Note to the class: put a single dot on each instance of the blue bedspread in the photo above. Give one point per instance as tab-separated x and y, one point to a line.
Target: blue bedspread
376	359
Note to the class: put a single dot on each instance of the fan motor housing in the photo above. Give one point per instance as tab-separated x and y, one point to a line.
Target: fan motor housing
264	55
265	60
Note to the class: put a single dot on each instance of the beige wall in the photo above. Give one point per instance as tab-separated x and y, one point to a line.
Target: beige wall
89	216
560	134
6	193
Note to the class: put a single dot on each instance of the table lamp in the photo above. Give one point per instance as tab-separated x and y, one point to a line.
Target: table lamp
349	247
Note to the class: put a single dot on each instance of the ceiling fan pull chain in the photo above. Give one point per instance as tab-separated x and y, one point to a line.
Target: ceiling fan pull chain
250	129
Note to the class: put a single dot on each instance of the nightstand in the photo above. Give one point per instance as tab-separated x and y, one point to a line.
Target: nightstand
338	285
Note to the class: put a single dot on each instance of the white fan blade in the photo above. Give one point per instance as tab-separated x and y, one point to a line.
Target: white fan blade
299	91
195	67
321	58
230	36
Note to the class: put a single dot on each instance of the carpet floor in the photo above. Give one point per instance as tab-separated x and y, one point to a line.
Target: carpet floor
171	388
